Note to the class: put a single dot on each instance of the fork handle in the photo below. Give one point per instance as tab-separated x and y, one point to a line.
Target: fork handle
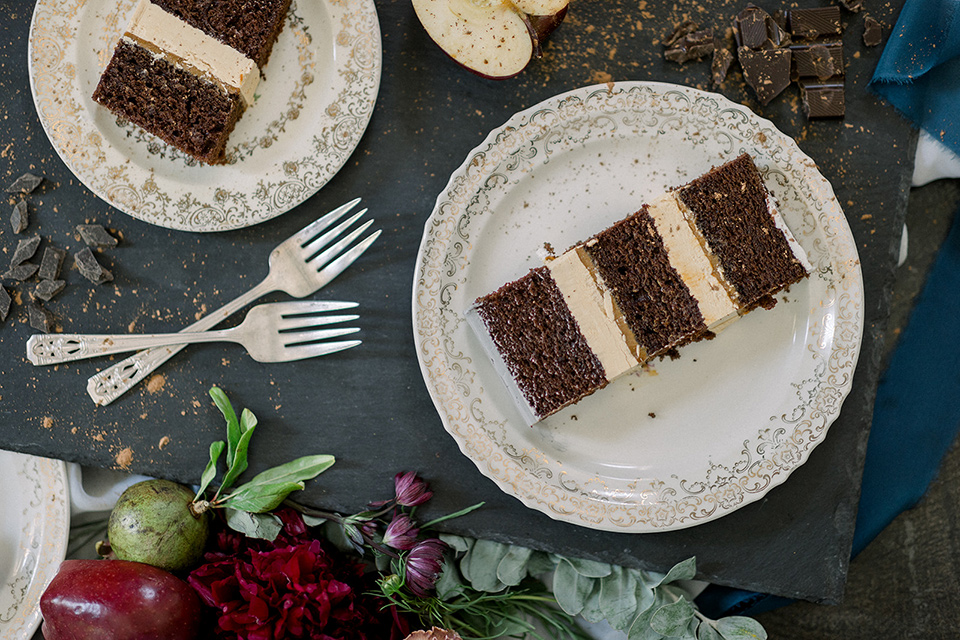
106	386
55	348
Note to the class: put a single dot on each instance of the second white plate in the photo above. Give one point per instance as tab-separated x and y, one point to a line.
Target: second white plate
692	439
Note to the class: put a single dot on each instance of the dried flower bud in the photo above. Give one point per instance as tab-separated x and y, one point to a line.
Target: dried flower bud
411	490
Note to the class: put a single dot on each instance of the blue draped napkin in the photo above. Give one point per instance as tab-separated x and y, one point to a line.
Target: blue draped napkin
916	414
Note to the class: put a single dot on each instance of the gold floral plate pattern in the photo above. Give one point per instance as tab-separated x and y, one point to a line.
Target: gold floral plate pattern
684	441
314	101
35	510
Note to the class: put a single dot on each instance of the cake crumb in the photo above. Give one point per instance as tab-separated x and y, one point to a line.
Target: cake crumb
124	458
156	382
47	422
652	414
164	441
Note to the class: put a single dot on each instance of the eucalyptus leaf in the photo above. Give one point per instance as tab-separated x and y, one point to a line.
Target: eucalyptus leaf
247	420
299	470
263	497
673	619
570	588
591	611
590	568
265	526
481	565
540	563
216	448
641	629
449	583
513	566
618	597
313	521
239	464
708	631
233	425
683	570
740	628
457	543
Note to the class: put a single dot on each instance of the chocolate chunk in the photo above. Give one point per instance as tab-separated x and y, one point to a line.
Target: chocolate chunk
805	64
814	23
51	263
94	235
39	318
25	250
5	301
822	99
751	27
766	71
722	59
21	272
872	32
20	217
46	289
852	5
692	46
673	37
25	183
89	267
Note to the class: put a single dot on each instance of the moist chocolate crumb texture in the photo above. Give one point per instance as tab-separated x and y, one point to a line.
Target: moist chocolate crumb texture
680	269
185	70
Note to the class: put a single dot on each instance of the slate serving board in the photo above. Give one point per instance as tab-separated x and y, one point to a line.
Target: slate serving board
369	406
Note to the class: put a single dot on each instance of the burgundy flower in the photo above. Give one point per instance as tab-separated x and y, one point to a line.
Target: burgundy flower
411	490
401	533
422	567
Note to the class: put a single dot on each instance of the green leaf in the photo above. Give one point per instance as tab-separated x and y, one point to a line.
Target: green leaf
449	583
570	588
457	543
591	607
216	448
262	497
513	566
299	470
247	420
313	521
672	620
233	426
684	570
540	563
740	628
590	568
708	631
640	629
239	464
451	516
265	526
481	565
618	597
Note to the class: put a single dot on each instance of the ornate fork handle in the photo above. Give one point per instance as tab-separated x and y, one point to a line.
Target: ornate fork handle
56	348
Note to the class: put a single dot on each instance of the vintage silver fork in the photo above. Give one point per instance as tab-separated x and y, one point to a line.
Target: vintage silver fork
295	266
277	332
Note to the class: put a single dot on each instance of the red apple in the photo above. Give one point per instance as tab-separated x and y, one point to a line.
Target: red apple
493	38
119	600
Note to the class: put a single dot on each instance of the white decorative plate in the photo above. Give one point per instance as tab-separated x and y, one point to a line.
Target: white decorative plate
314	102
691	439
34	528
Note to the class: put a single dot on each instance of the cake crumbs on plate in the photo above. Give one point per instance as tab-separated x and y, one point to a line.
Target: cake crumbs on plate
124	458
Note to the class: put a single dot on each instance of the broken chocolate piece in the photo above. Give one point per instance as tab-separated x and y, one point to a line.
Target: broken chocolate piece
671	38
25	250
823	99
21	272
766	71
822	62
804	64
39	318
872	32
722	59
46	289
89	267
20	217
692	46
852	5
25	183
751	27
94	235
51	263
815	23
5	301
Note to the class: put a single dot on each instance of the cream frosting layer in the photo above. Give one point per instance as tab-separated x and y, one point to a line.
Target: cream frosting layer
592	305
166	34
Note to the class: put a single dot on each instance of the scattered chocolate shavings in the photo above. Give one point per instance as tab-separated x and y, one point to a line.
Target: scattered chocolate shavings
21	272
46	289
852	5
25	250
5	301
766	71
25	183
89	267
94	235
51	263
39	318
671	38
692	46
822	61
722	59
20	217
872	32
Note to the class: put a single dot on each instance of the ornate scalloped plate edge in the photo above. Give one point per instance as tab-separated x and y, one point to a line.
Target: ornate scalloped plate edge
37	523
304	131
646	504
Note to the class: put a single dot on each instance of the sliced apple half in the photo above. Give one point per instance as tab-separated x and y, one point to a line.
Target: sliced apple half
493	38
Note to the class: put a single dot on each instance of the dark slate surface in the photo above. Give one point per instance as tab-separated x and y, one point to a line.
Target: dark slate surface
370	408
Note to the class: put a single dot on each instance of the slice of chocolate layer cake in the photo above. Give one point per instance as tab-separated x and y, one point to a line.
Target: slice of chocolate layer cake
678	270
185	71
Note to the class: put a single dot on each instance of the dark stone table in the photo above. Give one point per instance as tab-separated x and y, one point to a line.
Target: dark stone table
371	410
